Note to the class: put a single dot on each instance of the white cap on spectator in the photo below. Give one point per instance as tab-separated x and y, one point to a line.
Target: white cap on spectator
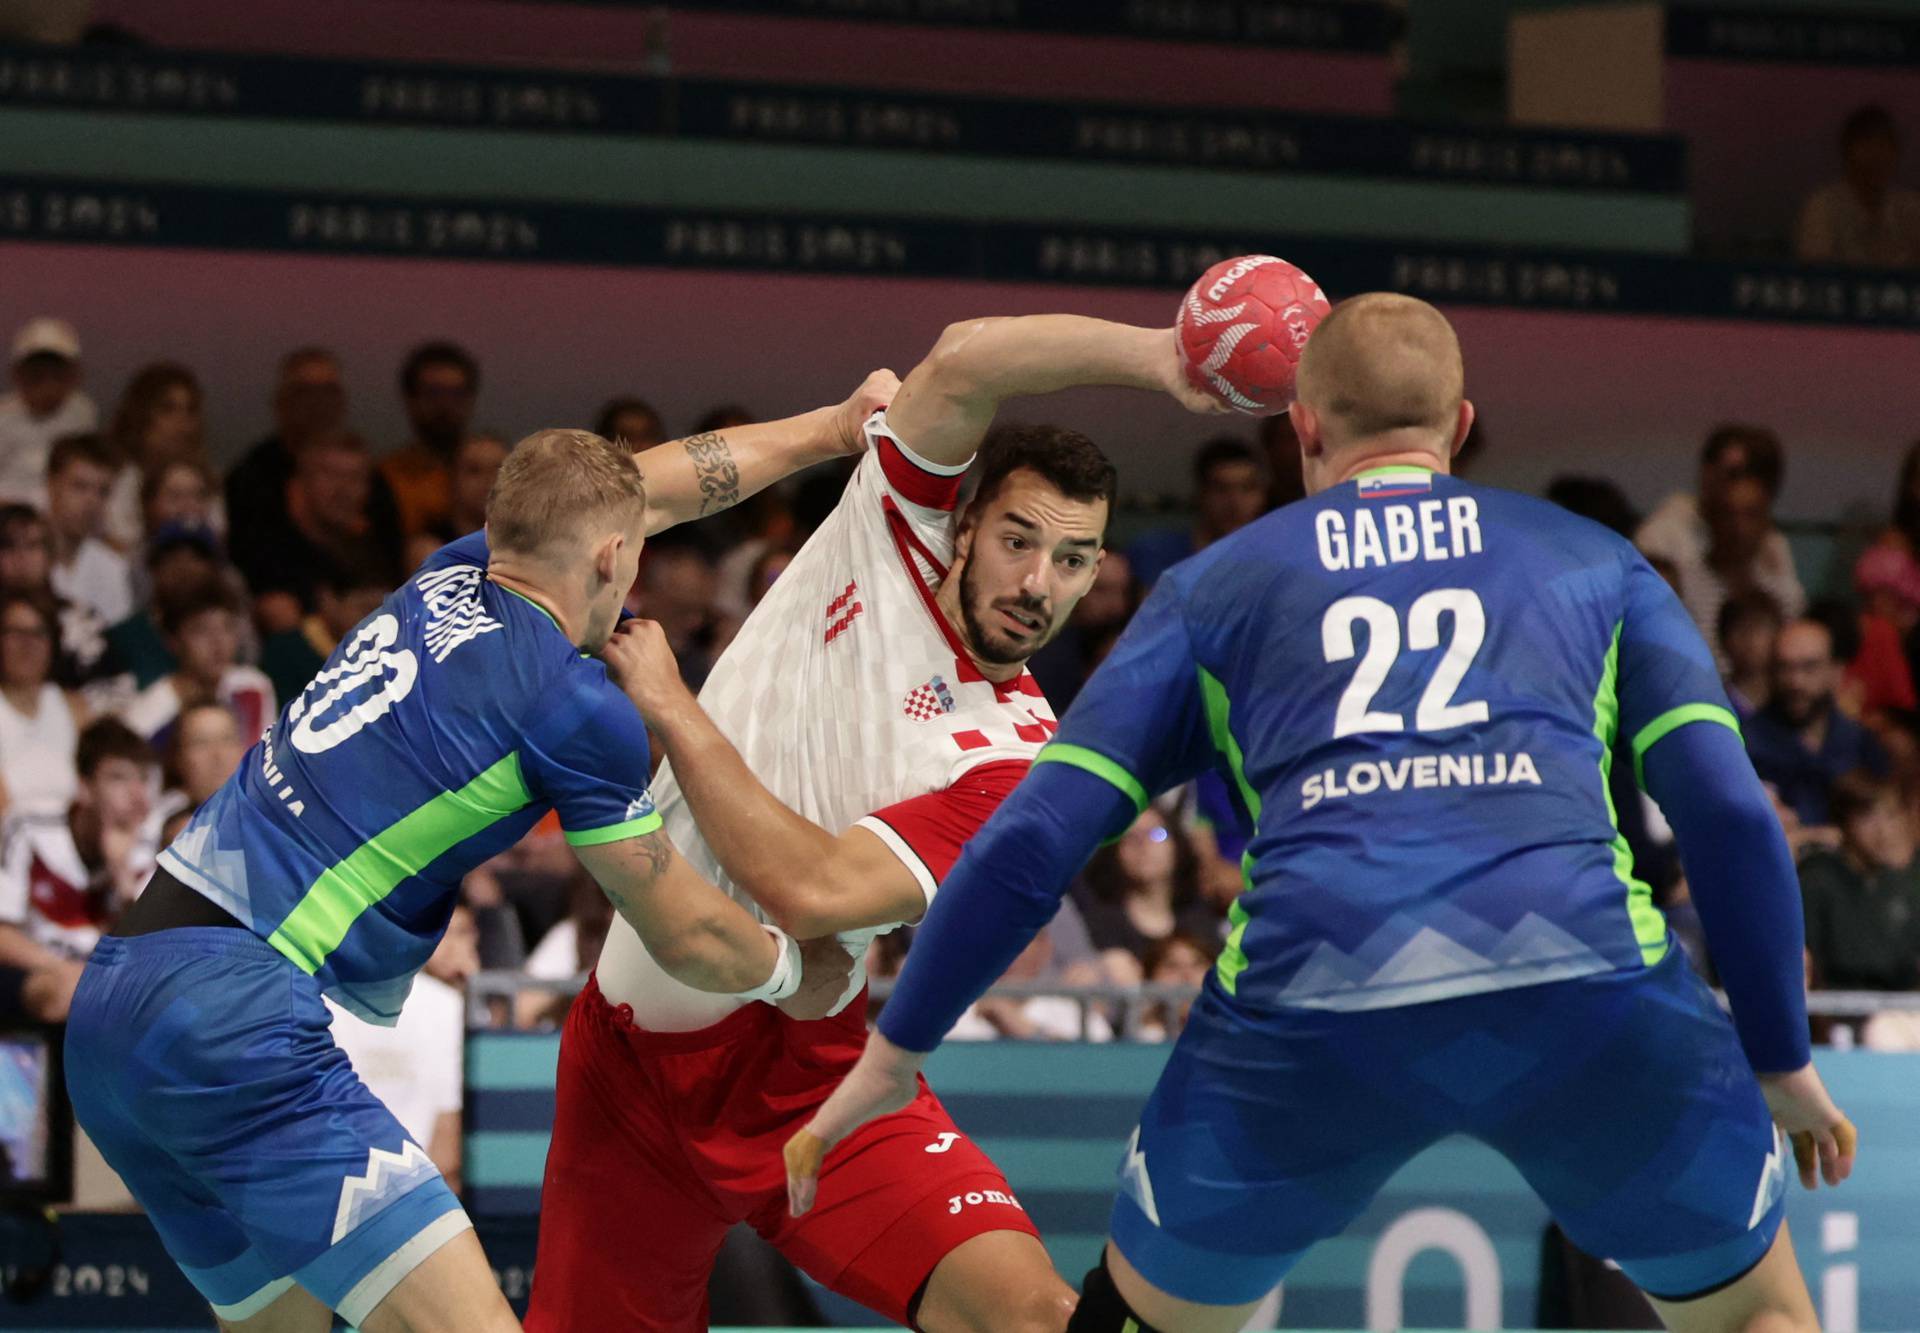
46	334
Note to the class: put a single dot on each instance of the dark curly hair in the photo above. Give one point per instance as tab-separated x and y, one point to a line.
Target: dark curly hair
1067	460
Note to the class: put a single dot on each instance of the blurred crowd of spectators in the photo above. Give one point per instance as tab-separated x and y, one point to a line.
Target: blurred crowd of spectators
1829	705
154	615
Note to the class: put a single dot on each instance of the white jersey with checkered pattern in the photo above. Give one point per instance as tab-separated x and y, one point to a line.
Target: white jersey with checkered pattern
846	692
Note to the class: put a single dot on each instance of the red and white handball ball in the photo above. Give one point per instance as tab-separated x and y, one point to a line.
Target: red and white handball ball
1243	327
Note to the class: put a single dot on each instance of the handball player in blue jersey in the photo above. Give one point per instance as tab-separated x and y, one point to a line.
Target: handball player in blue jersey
441	730
1417	688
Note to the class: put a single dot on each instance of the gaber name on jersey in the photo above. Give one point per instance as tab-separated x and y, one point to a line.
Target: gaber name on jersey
1426	530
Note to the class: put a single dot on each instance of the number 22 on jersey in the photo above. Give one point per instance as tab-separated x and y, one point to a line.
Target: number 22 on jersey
1436	710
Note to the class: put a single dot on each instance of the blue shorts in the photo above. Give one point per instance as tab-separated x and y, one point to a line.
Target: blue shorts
1624	1099
200	1062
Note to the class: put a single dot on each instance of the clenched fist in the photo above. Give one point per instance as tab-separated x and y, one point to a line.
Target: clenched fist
874	393
640	661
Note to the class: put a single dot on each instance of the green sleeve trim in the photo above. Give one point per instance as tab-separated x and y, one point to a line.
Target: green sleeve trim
1672	720
632	828
1100	766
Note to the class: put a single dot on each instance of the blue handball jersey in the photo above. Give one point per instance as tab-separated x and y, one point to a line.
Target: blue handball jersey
1417	688
441	730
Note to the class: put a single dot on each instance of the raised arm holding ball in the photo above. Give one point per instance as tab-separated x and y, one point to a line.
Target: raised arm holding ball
872	712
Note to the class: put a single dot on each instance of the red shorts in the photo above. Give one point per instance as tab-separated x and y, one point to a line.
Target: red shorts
663	1140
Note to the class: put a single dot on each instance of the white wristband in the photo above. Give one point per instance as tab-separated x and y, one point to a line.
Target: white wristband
786	970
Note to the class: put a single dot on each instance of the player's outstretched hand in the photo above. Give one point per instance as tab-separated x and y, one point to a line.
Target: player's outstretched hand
825	966
641	662
874	393
1824	1140
885	1080
1174	381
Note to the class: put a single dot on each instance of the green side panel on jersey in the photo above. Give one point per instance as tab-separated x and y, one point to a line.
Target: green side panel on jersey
1233	956
1214	695
333	902
1670	721
1649	922
1092	761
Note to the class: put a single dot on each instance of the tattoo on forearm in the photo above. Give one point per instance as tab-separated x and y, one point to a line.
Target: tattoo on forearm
714	468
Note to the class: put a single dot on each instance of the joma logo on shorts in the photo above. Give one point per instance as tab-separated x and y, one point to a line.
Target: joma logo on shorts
974	1198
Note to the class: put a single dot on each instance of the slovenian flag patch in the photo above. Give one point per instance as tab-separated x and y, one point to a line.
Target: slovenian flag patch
1389	482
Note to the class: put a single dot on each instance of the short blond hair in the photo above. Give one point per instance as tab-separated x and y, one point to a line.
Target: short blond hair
1382	362
558	484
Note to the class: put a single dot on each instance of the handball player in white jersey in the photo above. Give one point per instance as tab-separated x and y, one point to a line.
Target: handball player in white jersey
872	713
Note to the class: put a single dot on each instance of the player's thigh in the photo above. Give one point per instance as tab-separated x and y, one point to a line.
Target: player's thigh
1263	1136
1643	1129
996	1282
1168	1313
452	1291
1770	1298
895	1200
628	1233
295	1310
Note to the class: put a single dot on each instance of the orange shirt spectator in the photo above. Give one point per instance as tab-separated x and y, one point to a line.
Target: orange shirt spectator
439	384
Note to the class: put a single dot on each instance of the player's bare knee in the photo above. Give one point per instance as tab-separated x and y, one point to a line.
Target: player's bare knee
1034	1310
998	1299
1045	1311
